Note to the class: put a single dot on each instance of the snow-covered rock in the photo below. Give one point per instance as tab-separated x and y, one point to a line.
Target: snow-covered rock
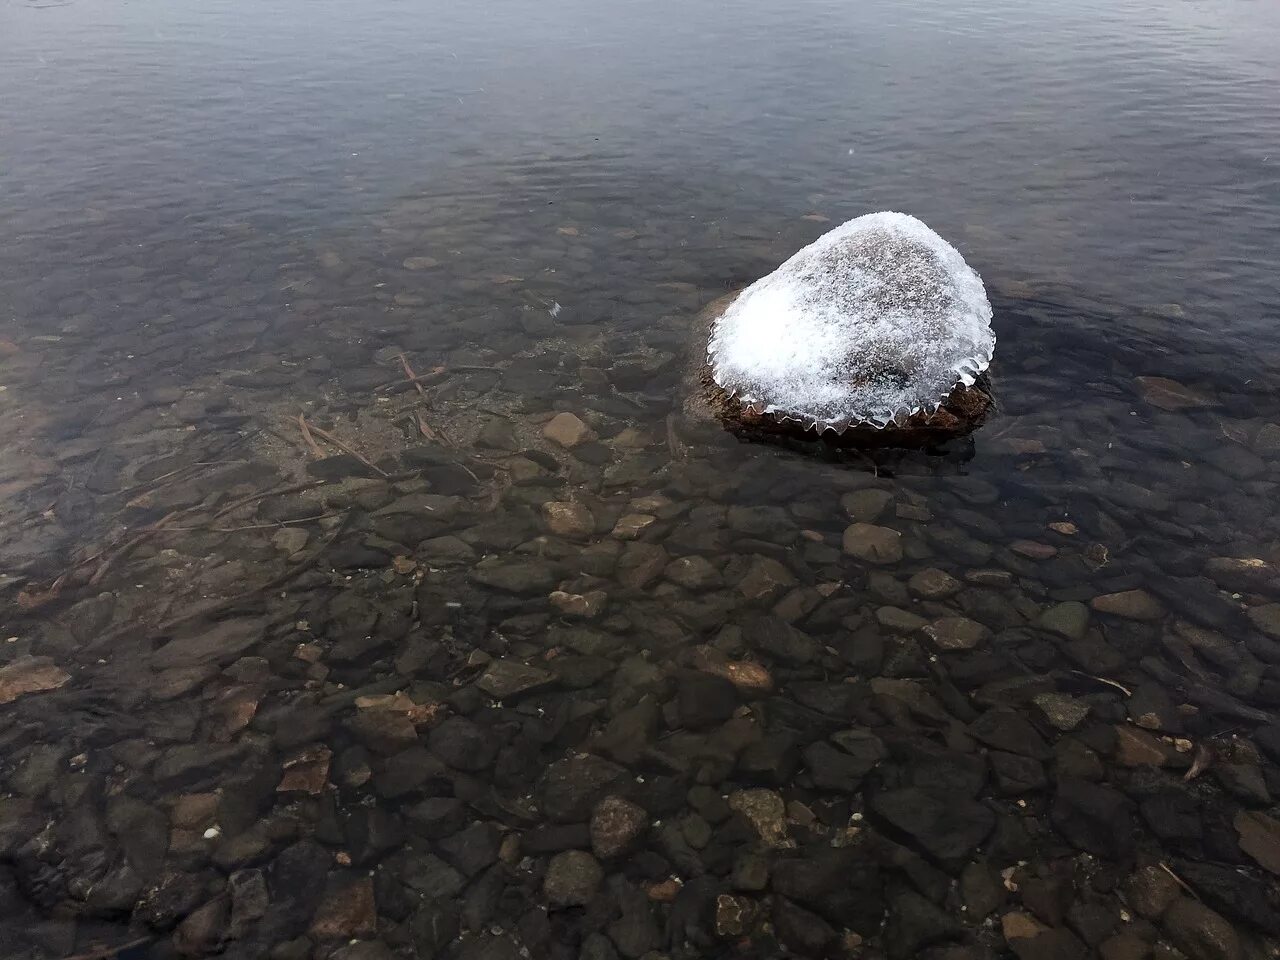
873	322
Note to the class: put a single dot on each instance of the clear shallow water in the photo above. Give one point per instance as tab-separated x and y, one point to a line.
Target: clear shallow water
217	216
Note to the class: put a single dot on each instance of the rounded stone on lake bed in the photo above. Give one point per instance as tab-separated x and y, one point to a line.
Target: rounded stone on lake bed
1129	604
933	584
866	506
615	825
956	633
1068	619
568	431
572	879
873	544
1266	618
566	519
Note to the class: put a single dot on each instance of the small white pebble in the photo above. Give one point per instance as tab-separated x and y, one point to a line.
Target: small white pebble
212	833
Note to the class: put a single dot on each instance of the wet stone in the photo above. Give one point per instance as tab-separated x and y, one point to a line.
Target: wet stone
572	520
1266	618
572	879
734	915
1008	730
872	544
1199	932
506	679
640	564
1260	838
933	584
28	675
766	812
1016	774
383	731
520	576
473	849
833	769
750	873
956	633
204	930
1136	747
1149	891
347	911
901	621
1129	604
704	700
915	923
567	430
765	579
616	824
779	639
693	573
1070	620
462	744
1060	711
982	890
865	506
1094	818
222	644
946	827
571	787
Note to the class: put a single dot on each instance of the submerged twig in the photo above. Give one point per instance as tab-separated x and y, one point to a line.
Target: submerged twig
106	953
413	377
1177	879
1200	762
308	439
326	435
276	492
128	546
1111	683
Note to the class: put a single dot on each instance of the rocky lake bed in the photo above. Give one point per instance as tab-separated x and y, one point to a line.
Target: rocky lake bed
491	652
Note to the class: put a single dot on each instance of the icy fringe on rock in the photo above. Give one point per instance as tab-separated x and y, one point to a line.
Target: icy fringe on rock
874	321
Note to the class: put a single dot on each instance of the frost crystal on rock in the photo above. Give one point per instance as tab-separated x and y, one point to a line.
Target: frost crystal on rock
872	322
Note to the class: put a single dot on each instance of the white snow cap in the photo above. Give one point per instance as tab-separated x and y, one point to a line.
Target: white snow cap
874	321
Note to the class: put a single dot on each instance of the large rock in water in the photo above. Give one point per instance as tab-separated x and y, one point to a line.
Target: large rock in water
877	332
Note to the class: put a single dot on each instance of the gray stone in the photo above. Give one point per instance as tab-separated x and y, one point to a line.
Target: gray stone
572	879
693	573
1129	604
865	506
222	643
567	519
640	564
1266	618
1149	891
1062	712
1201	933
873	544
899	621
1070	620
521	575
567	430
933	584
504	679
956	633
765	579
615	825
